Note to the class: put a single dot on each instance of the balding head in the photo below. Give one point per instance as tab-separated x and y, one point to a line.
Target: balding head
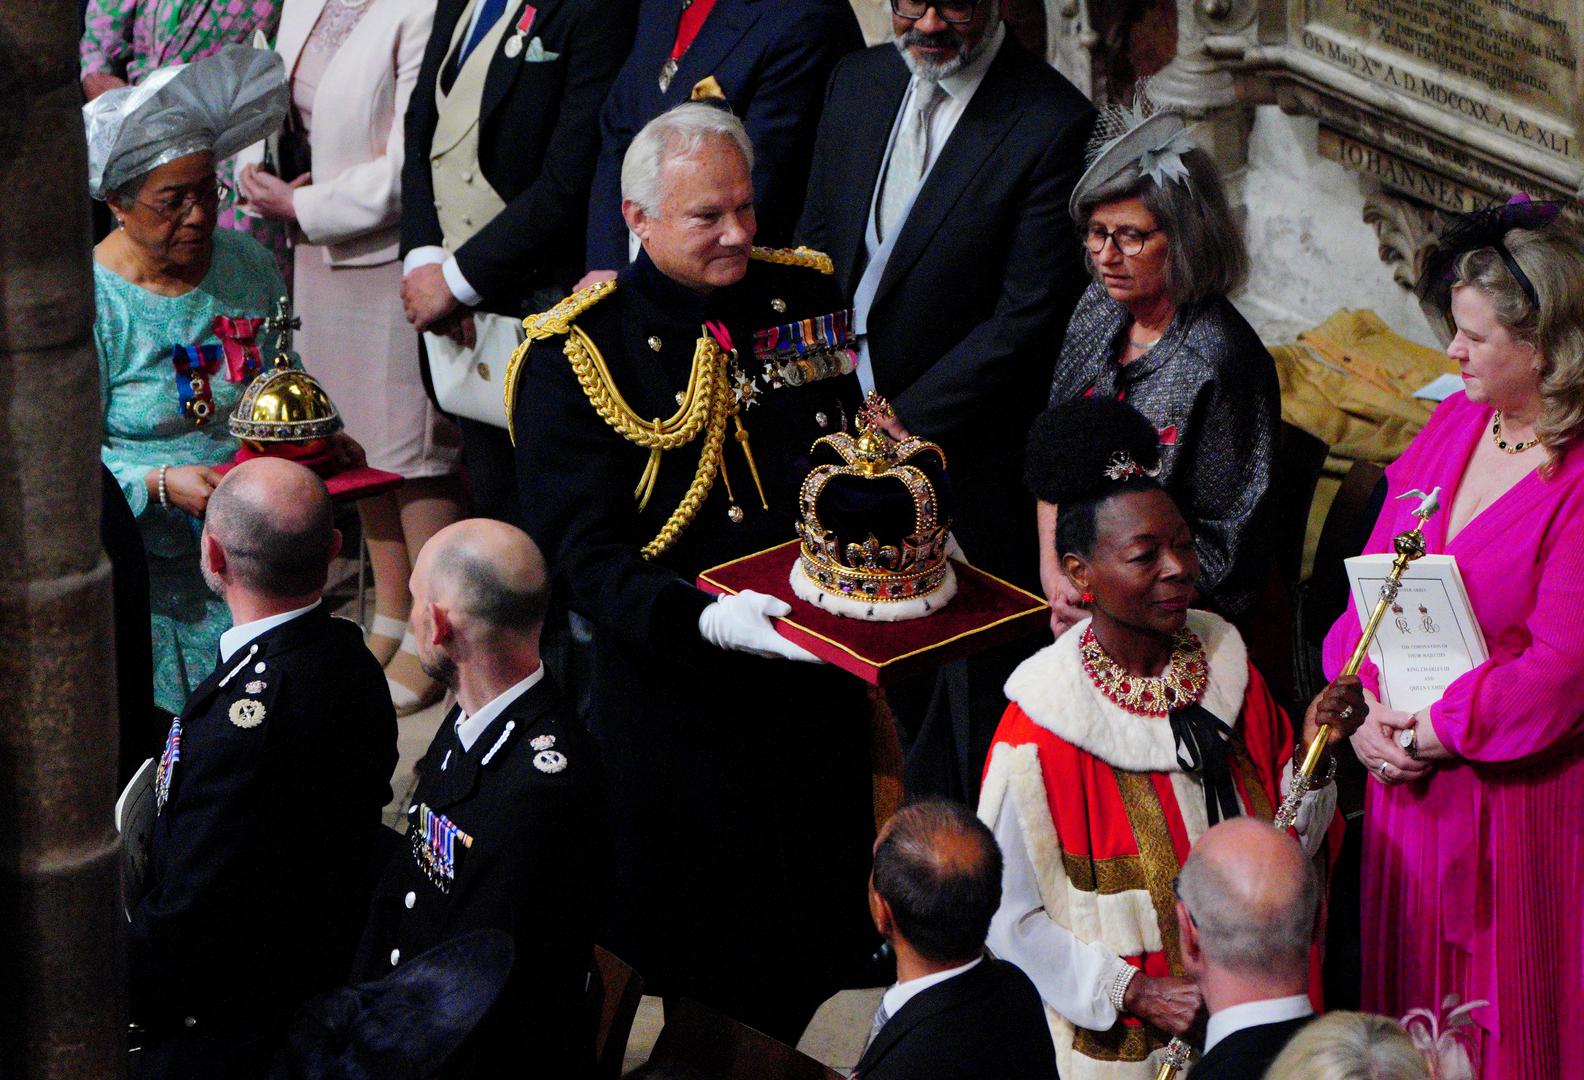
938	869
275	528
486	573
1252	897
479	593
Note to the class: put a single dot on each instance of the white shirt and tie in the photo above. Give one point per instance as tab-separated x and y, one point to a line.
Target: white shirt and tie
929	114
903	992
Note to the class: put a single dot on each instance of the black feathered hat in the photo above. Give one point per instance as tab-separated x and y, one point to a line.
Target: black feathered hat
1079	450
1485	228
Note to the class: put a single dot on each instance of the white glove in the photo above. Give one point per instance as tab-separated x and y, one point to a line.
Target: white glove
742	622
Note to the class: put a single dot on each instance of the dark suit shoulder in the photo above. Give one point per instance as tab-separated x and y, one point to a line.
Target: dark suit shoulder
1247	1053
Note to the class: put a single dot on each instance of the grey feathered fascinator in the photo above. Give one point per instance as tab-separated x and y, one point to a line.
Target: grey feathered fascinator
1125	135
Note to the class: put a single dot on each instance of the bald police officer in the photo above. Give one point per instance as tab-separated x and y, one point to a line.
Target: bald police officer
505	829
269	792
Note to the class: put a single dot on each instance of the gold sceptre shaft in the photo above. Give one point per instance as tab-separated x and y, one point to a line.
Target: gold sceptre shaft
1409	546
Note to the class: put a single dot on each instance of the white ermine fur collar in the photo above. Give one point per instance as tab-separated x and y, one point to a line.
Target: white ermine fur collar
1052	688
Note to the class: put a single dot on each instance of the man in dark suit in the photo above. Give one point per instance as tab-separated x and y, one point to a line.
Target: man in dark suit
939	188
976	265
268	791
1247	900
505	829
502	133
767	60
739	779
954	1013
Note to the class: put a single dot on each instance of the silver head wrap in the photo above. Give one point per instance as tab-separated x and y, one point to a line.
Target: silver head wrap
1123	136
219	104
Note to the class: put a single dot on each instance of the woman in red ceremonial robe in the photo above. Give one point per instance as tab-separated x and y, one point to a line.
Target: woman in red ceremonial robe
1136	731
1473	864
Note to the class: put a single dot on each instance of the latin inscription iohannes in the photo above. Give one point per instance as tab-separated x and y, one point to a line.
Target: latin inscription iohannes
1510	65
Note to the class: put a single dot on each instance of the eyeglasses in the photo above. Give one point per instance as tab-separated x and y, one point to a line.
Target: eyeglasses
952	11
1127	240
177	208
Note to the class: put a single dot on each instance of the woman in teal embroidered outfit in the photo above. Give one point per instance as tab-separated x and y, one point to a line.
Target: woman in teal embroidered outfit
147	429
178	320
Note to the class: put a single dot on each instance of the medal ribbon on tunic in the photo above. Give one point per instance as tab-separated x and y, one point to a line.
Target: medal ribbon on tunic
194	365
239	338
434	839
167	765
806	351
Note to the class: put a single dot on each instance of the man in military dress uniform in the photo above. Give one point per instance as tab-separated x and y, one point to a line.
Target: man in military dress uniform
269	792
660	422
505	829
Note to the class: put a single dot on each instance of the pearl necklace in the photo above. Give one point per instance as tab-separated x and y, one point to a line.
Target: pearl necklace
1503	445
1183	683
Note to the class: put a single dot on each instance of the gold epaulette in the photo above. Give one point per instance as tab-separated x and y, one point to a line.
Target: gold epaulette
547	324
559	318
798	256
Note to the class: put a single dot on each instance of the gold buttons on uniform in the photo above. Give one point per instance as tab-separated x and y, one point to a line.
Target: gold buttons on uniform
483	370
778	305
654	343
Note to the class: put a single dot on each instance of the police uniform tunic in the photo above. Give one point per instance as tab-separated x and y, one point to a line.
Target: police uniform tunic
506	834
270	788
740	786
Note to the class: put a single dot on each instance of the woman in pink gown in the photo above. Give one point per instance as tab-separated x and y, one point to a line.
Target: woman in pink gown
1473	871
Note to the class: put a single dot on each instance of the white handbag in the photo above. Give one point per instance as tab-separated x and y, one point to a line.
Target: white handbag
468	382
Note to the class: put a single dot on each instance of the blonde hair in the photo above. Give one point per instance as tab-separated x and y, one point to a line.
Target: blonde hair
1350	1046
1553	260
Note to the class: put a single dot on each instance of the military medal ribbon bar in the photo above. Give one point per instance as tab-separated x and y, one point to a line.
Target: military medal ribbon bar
808	350
434	843
167	765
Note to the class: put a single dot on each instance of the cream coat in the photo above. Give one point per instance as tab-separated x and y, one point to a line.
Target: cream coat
353	205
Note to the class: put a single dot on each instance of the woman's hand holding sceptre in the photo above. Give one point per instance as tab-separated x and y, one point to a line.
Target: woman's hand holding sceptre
1341	706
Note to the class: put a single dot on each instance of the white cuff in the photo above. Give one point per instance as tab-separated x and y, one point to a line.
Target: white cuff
1314	813
458	284
427	255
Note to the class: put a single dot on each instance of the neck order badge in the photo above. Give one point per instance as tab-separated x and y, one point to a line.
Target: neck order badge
693	14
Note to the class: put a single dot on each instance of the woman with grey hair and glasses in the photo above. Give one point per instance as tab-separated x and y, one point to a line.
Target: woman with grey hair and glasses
1156	329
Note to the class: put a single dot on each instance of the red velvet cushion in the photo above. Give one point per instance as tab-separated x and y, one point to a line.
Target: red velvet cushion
985	612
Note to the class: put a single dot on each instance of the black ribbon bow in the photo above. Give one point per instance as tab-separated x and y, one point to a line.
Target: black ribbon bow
1204	749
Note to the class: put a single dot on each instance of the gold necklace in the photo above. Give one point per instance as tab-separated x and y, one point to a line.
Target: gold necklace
1183	683
1503	445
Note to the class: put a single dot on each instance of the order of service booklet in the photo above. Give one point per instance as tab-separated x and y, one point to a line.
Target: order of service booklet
1429	636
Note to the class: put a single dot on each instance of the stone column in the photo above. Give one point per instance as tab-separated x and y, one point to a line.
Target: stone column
62	1013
